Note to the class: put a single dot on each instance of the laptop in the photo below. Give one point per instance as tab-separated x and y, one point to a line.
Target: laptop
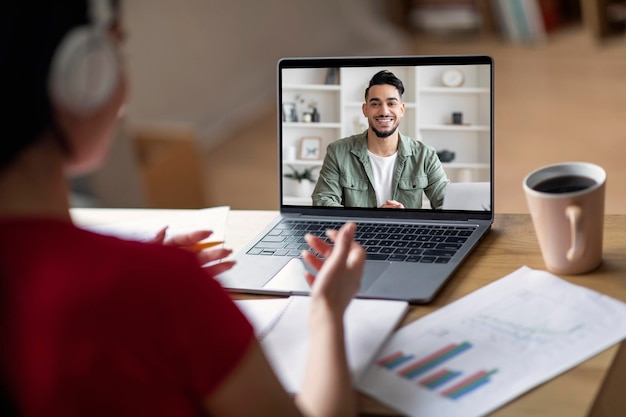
413	252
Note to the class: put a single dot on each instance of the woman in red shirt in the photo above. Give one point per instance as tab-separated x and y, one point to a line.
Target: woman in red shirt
95	325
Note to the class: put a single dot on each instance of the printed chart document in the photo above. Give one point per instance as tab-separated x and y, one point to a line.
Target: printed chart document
489	347
282	327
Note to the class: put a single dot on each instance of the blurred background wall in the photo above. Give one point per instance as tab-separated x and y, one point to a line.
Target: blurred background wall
212	64
201	70
200	127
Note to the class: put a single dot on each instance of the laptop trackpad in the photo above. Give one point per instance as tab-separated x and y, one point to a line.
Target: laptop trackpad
373	270
291	276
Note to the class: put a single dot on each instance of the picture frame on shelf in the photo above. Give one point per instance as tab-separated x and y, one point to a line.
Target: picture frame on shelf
310	148
290	113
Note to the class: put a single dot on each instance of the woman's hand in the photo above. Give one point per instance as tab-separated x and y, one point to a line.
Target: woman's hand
209	257
327	386
339	275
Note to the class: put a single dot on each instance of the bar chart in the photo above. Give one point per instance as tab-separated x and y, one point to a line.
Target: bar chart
431	361
468	384
438	378
425	372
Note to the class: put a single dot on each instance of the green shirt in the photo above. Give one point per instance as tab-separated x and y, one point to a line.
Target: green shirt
346	178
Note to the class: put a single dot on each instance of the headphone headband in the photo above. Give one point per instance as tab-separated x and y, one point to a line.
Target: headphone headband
100	13
85	69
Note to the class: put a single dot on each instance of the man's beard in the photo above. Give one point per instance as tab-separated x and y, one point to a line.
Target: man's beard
383	135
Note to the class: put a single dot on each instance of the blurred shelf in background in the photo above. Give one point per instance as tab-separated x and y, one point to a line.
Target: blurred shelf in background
606	19
518	21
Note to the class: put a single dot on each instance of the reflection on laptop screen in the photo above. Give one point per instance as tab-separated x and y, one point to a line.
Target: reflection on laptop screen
447	107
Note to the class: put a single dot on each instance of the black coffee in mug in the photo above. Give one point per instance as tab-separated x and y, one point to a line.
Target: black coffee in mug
564	184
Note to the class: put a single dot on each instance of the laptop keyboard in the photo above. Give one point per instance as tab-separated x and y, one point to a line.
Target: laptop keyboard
383	242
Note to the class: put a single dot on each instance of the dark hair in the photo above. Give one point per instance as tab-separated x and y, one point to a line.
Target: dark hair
30	32
385	77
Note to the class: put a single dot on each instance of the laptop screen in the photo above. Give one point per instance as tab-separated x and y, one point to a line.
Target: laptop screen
333	142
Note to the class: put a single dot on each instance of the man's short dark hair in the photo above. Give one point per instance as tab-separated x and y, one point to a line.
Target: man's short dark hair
385	77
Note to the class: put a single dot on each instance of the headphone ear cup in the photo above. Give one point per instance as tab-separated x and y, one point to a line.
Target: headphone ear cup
84	71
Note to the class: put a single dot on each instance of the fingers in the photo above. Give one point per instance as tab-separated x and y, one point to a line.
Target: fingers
217	269
315	262
213	255
343	238
188	238
324	248
338	276
356	257
159	237
318	245
310	278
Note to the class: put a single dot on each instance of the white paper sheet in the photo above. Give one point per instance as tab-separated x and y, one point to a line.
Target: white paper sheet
507	338
282	327
263	314
178	222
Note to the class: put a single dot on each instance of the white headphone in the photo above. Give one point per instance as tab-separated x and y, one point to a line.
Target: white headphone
85	69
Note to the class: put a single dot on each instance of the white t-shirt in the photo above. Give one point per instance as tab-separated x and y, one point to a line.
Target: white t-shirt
382	166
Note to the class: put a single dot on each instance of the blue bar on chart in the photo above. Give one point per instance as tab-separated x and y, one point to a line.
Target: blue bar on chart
434	359
394	360
438	378
468	384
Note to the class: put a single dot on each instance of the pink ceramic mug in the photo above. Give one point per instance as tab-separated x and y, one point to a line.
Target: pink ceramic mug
566	203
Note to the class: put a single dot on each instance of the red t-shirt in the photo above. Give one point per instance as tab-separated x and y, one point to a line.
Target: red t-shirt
101	326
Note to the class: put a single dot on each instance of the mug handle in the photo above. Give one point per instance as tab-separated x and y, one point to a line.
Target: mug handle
577	247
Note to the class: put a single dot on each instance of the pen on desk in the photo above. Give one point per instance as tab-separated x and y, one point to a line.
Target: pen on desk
196	247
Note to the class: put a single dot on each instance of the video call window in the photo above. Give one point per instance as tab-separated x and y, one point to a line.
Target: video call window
448	108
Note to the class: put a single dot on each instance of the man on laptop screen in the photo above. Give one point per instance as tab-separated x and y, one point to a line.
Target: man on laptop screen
381	167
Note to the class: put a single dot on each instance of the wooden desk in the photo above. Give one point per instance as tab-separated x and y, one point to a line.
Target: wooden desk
510	244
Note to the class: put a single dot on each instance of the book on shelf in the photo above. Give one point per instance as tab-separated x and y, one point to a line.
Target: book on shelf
520	21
